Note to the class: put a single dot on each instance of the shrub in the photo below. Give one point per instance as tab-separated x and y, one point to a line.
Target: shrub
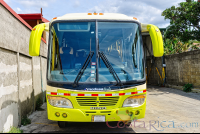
25	121
187	87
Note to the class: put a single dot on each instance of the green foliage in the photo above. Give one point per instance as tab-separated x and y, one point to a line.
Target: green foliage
184	21
187	88
195	41
39	103
15	130
25	121
173	46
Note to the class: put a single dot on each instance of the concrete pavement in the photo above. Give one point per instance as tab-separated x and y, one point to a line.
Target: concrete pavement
168	110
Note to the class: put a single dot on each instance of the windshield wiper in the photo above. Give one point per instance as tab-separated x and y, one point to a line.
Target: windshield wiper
81	71
109	66
125	73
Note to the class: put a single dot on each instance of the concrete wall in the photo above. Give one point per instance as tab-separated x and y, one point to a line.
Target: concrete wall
8	90
22	77
181	69
26	93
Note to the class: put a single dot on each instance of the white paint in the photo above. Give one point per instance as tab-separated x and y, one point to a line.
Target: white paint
101	94
59	93
8	123
140	92
25	67
8	117
7	68
88	94
116	94
24	83
141	87
107	16
7	90
127	93
74	94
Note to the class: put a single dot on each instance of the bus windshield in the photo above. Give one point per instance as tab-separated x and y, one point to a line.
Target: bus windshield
95	52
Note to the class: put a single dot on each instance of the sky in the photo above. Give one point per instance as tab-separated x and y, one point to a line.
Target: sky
147	11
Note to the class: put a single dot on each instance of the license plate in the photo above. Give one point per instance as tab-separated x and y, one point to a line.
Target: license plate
97	108
98	118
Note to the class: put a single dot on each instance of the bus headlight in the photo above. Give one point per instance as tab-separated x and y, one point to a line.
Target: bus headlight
134	101
60	102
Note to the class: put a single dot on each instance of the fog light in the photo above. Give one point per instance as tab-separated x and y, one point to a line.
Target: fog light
64	115
137	112
57	114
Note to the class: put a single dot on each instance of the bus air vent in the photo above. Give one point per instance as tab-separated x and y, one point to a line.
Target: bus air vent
108	101
87	101
97	101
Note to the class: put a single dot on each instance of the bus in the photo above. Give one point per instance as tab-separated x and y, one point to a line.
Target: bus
95	66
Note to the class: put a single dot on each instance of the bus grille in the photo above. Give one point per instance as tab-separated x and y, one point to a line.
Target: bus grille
97	101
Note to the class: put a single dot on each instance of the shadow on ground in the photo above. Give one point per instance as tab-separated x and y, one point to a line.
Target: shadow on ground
86	127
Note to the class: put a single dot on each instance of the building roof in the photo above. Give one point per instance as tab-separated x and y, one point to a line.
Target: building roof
17	16
35	16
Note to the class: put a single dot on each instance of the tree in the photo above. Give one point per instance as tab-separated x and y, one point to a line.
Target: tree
184	21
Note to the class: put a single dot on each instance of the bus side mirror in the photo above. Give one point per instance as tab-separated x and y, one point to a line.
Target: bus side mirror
157	40
35	38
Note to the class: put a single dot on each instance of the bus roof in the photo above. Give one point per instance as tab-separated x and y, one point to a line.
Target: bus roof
99	16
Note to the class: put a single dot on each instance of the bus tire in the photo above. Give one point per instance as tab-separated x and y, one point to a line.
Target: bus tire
128	124
62	124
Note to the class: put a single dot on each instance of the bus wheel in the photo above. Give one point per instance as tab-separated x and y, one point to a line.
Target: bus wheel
128	124
62	124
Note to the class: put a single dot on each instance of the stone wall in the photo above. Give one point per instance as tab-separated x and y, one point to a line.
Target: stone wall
22	77
181	69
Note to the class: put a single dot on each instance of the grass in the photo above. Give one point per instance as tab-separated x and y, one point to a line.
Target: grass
15	130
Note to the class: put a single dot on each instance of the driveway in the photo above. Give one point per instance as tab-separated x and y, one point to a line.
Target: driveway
168	110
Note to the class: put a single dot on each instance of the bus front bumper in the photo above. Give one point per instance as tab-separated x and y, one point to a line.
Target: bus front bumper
82	115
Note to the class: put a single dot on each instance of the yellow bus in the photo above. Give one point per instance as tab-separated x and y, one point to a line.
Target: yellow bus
95	66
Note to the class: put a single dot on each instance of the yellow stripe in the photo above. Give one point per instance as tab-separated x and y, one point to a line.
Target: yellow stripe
163	74
159	75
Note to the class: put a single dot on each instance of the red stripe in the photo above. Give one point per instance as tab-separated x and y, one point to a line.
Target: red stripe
53	93
133	92
95	95
66	94
108	95
81	94
121	94
43	40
